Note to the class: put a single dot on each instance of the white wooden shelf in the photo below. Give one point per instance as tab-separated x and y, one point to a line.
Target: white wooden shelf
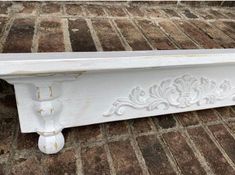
59	90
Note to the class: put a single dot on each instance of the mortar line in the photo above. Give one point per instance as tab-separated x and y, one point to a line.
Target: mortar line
216	143
107	151
166	149
137	150
67	42
138	28
34	47
119	33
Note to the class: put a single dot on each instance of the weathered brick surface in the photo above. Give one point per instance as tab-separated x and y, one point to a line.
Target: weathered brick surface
7	126
80	36
187	118
4	7
183	154
51	8
116	11
188	143
142	126
209	150
196	34
51	37
62	163
27	164
171	13
108	37
207	116
84	134
20	36
133	36
125	162
189	14
165	121
154	156
178	36
226	112
95	11
155	36
74	9
3	21
217	35
116	129
225	139
95	161
154	13
226	27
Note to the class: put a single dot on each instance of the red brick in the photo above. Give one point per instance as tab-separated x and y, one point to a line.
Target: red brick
83	134
124	158
135	11
207	116
50	8
165	121
29	164
197	35
3	169
187	118
20	37
209	150
62	163
155	36
229	13
183	154
178	36
171	13
28	7
142	126
189	14
7	129
228	4
74	9
107	36
231	125
80	36
95	161
132	35
204	14
3	21
27	141
226	27
116	128
95	10
225	139
217	14
154	155
216	34
5	7
155	13
226	112
51	38
115	11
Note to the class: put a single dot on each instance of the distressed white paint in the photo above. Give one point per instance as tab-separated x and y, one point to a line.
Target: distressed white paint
60	90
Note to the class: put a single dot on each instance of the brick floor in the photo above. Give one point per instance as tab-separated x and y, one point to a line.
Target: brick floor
199	142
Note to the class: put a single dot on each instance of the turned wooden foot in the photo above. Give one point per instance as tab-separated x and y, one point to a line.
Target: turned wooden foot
50	143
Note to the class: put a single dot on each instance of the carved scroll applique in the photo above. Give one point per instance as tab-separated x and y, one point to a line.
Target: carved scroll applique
180	92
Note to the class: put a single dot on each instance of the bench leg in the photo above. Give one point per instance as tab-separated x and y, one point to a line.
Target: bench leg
48	107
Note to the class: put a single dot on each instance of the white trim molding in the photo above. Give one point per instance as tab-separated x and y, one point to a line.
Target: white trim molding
60	90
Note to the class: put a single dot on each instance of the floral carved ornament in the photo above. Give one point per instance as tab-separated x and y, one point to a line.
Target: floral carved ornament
180	92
